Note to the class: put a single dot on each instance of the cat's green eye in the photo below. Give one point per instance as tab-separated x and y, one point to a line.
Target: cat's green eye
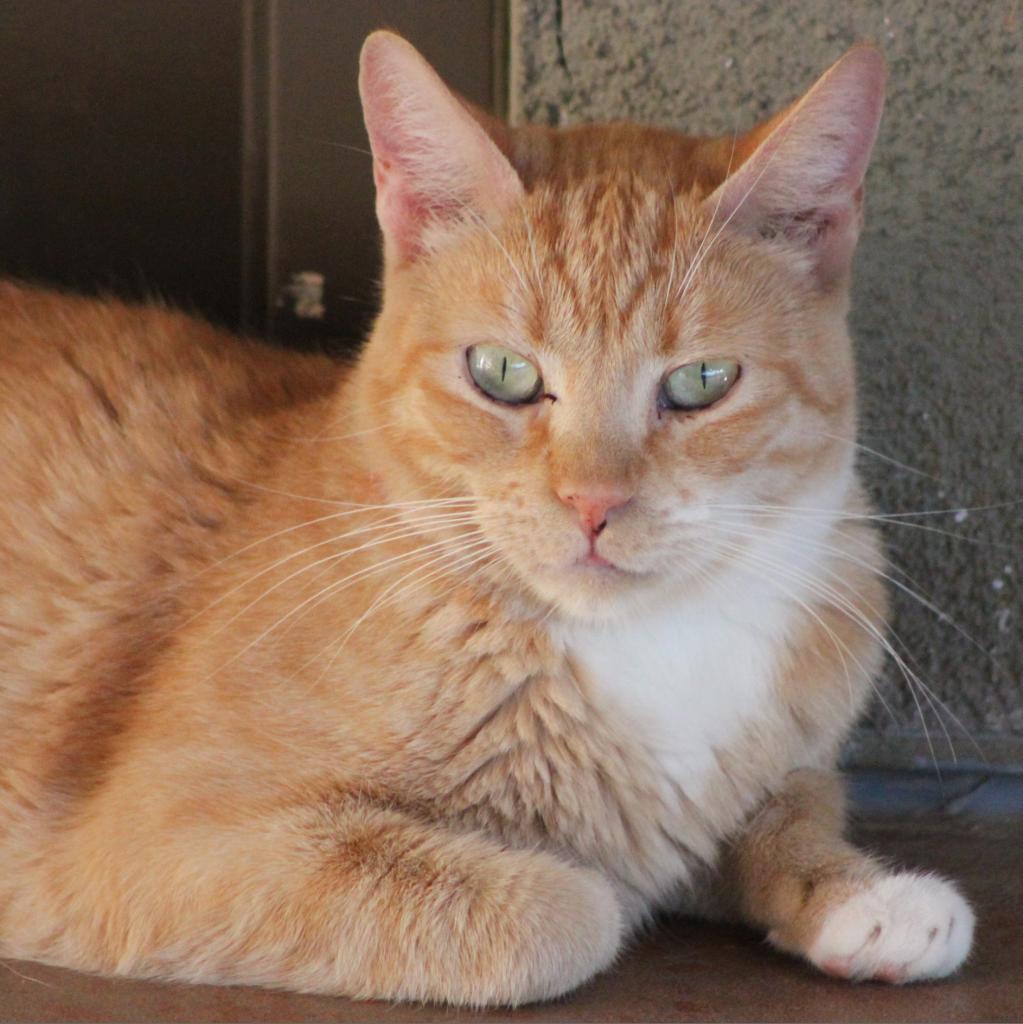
504	375
697	385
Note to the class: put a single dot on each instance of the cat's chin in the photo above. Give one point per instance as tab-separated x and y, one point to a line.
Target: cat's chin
595	592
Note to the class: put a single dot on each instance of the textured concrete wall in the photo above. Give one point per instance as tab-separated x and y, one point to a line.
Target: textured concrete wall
938	315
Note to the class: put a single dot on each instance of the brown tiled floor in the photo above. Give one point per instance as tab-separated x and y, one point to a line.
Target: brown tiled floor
686	971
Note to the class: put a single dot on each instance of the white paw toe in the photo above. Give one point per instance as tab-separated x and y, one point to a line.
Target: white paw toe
902	927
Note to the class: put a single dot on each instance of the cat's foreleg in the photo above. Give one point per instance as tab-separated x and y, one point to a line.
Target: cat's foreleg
340	897
821	898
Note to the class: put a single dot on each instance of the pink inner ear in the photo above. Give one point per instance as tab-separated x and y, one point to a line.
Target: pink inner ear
405	213
400	211
432	161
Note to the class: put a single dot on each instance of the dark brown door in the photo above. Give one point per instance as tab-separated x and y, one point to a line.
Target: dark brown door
205	151
320	185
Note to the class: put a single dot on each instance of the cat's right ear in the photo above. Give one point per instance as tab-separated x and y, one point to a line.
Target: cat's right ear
433	163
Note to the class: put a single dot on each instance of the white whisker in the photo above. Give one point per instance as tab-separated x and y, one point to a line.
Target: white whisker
403	532
697	259
332	588
880	455
469	556
396	508
916	592
830	595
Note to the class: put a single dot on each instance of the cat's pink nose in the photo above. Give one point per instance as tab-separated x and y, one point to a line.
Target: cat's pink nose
593	503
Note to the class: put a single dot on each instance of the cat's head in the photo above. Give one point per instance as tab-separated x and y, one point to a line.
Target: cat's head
617	340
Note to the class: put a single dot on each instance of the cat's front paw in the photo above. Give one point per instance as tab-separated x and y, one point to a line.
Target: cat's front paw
898	928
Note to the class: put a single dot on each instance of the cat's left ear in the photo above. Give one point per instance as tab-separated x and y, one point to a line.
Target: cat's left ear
432	161
801	175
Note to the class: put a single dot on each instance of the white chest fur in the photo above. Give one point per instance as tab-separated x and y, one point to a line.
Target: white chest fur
688	677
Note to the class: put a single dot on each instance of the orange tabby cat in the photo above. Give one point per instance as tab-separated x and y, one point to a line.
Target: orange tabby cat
433	677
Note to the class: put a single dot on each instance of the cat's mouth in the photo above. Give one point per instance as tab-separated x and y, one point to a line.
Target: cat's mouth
598	565
592	559
590	586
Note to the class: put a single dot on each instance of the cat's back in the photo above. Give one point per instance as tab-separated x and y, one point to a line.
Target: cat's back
111	368
113	412
130	435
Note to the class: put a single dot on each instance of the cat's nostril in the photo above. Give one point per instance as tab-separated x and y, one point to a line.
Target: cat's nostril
593	504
